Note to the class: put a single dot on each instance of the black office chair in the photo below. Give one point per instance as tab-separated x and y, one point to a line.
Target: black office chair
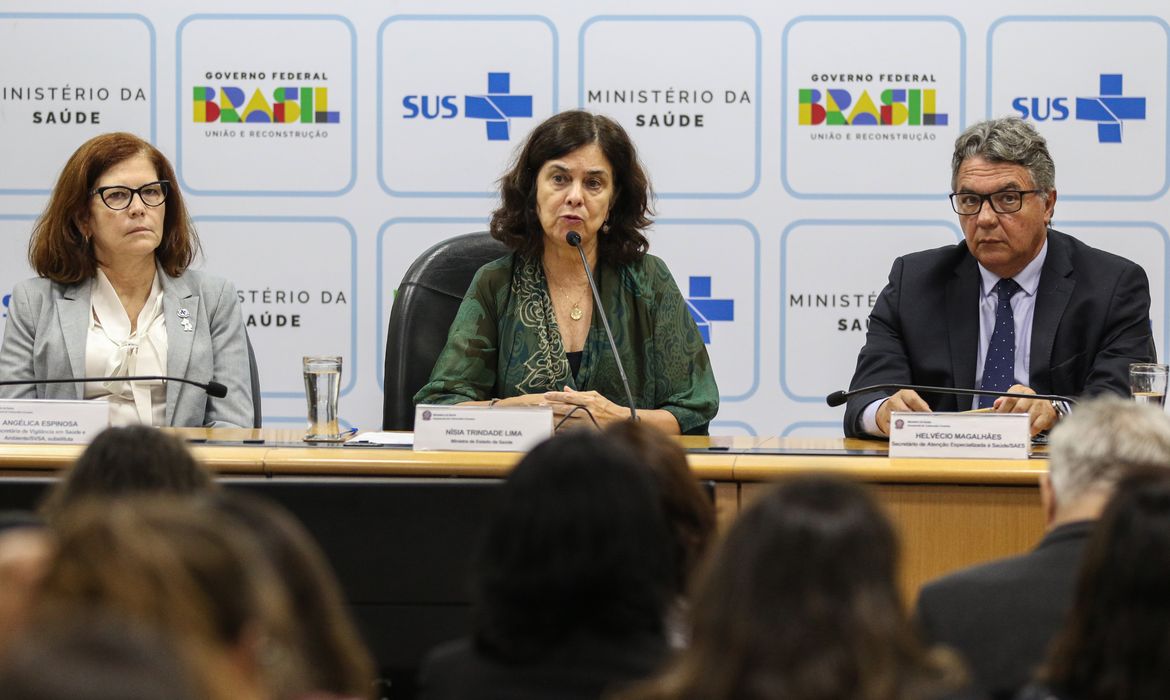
427	300
257	414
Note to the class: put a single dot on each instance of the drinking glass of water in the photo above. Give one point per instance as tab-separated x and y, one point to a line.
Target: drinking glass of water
322	383
1147	382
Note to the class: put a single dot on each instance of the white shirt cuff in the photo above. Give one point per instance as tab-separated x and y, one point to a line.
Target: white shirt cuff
869	419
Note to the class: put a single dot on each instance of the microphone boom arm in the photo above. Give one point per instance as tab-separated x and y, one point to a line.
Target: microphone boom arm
574	239
214	389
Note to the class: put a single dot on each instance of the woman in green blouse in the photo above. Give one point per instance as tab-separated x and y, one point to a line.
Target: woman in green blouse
526	333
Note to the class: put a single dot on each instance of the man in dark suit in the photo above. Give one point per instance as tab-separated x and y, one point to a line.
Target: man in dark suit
1002	615
1016	307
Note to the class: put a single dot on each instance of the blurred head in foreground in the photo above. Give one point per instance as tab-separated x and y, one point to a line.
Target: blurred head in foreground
135	459
336	660
164	562
800	601
1091	448
578	545
1116	641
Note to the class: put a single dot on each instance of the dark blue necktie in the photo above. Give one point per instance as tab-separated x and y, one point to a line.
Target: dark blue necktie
999	368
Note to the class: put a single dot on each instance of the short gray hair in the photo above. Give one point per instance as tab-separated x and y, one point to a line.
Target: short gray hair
1102	439
1006	140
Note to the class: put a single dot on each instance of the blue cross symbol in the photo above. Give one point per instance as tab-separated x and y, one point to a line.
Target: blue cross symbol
498	106
1110	108
704	309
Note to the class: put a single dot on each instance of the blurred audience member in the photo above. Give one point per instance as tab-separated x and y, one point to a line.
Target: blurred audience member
336	661
572	583
799	602
1001	616
24	554
1115	644
162	561
689	510
94	656
132	459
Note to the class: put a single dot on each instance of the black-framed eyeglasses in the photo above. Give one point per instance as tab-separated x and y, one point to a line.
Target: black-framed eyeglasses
118	197
1002	202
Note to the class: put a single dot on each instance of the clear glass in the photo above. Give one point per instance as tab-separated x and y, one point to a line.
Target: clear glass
1147	382
322	384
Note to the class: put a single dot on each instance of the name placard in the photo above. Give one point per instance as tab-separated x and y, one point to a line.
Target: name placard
52	422
962	435
481	429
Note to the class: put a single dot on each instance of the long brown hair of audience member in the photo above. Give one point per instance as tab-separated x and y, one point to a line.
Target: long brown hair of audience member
799	602
337	662
1116	642
129	460
690	511
163	561
96	655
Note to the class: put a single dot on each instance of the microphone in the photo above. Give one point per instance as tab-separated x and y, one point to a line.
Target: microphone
214	389
839	397
574	239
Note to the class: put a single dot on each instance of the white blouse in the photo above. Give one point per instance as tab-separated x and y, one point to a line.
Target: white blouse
111	350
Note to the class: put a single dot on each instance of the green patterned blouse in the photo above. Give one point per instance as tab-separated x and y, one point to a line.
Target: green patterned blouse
505	342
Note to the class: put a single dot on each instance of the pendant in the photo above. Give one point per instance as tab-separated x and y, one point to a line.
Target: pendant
576	313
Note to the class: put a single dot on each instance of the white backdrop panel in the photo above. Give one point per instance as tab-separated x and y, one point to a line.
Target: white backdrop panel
300	301
266	104
823	318
48	110
1062	102
432	142
682	81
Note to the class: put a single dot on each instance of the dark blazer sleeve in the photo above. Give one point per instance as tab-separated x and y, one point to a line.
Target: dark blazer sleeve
1127	335
883	358
1092	321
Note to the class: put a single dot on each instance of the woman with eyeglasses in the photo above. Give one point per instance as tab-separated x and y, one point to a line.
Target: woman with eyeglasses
115	297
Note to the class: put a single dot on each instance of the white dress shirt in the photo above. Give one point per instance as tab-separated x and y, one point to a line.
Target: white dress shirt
111	350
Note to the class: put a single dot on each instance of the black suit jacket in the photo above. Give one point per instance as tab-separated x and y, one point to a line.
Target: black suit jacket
1091	320
1002	615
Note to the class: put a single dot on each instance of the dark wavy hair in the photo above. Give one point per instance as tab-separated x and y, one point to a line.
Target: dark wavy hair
577	544
59	251
1116	641
515	222
800	601
688	508
133	459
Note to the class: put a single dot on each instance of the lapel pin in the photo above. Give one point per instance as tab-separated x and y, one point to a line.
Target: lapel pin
184	313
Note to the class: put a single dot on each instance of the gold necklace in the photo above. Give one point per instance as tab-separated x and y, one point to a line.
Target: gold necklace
576	313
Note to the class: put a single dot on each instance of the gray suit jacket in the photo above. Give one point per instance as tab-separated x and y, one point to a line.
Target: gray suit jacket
46	334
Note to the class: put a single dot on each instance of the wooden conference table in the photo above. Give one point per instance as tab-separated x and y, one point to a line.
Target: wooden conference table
949	512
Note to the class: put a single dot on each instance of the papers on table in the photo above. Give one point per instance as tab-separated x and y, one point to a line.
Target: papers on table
381	439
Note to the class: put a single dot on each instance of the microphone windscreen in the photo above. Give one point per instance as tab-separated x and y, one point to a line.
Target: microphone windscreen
216	390
573	238
836	398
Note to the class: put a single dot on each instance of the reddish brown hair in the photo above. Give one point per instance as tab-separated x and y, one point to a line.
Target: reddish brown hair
59	251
